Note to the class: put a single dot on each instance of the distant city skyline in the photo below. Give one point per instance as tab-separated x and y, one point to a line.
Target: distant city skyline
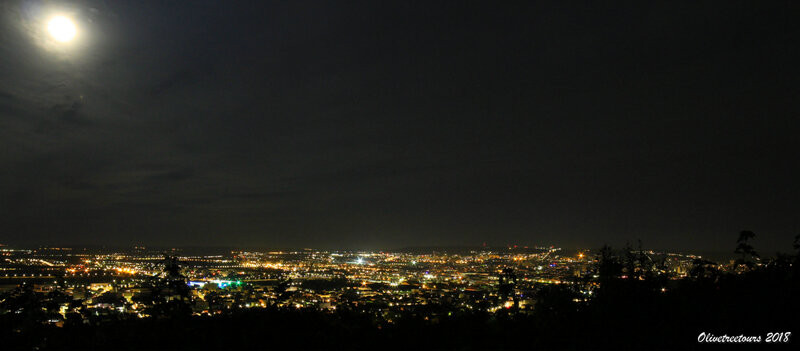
720	254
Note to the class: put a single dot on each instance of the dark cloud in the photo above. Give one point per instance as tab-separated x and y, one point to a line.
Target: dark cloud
368	124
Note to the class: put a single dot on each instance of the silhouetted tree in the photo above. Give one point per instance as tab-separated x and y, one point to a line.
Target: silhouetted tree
507	283
608	264
169	293
556	300
796	243
744	248
704	270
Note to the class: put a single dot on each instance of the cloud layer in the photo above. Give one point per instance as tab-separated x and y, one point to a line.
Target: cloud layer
384	125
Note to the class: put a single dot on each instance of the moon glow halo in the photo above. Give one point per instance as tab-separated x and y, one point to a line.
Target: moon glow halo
62	29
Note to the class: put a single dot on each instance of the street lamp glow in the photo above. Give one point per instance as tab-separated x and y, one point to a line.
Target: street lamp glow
62	29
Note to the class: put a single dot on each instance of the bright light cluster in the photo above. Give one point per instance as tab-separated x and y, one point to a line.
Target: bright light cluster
62	29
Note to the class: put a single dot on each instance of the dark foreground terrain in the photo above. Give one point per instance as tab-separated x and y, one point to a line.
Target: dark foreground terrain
634	306
627	314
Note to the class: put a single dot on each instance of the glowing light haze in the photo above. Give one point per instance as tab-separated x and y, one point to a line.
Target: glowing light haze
62	29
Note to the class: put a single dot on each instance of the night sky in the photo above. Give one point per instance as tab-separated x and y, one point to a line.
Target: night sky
339	124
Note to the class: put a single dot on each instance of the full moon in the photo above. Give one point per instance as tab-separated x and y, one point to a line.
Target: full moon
62	29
